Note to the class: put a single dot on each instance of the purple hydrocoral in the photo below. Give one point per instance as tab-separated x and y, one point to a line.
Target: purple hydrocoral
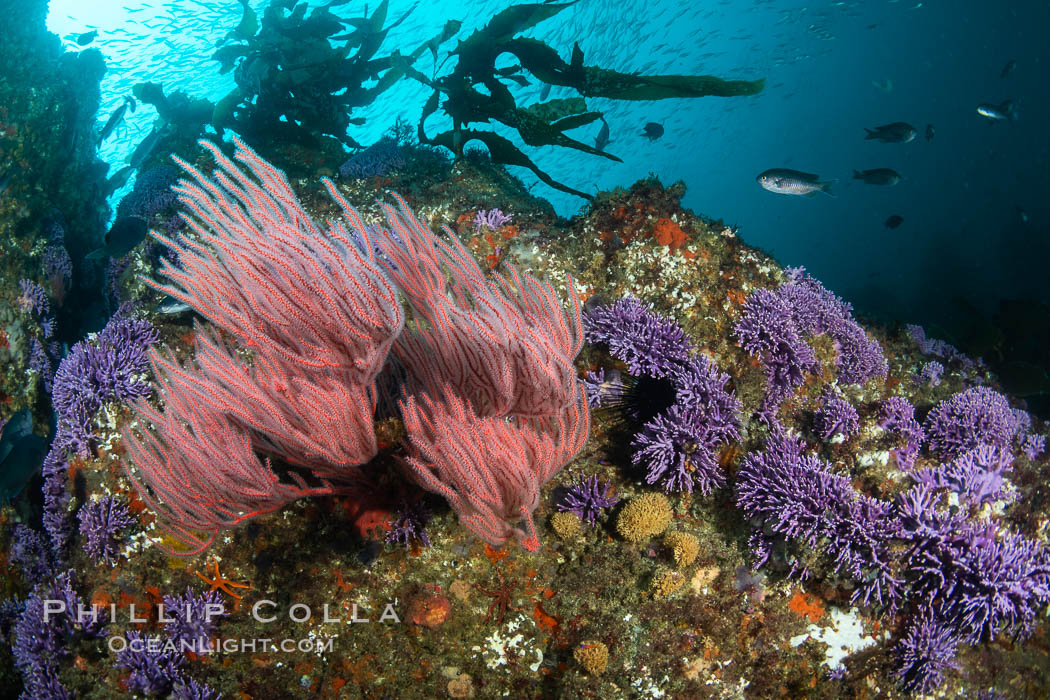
410	524
775	326
645	341
898	417
970	418
930	373
984	579
33	298
938	348
151	194
925	653
111	368
798	497
817	311
767	330
41	635
587	499
192	690
679	446
1033	446
191	619
101	522
976	475
30	553
492	219
154	665
836	416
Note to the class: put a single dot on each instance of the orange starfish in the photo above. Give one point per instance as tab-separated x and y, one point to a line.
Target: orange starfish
220	583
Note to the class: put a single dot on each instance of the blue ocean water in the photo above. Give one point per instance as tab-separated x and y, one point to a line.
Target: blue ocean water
975	217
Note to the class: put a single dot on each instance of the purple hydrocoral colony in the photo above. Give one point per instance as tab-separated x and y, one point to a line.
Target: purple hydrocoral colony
938	348
1033	446
930	373
775	325
636	335
968	419
984	579
925	653
768	331
155	667
976	476
680	445
587	499
109	369
491	219
191	619
898	417
33	298
796	496
101	522
836	416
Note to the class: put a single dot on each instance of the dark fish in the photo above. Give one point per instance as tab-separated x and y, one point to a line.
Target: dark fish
795	182
893	222
602	139
119	179
653	131
17	427
87	37
114	120
145	148
1008	68
123	236
171	306
1022	215
997	113
878	176
897	132
929	132
21	463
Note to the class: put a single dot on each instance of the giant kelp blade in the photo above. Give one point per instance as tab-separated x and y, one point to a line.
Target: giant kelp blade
601	82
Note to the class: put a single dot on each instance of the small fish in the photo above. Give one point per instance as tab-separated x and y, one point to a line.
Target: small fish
885	86
897	132
145	148
118	180
997	113
87	37
545	92
877	176
123	236
1022	215
602	139
929	132
653	131
1008	68
893	222
171	306
17	427
785	181
114	120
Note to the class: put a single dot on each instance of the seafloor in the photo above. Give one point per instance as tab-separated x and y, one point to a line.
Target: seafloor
475	621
